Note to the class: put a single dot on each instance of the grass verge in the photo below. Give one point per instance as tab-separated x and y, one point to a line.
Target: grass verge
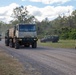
60	44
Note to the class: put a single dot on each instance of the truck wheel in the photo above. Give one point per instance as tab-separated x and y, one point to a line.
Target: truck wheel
16	45
34	45
7	42
11	44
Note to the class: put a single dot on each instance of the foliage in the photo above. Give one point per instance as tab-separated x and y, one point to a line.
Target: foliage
64	36
72	34
21	15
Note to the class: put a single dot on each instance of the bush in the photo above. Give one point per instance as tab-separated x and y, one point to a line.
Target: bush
64	36
72	35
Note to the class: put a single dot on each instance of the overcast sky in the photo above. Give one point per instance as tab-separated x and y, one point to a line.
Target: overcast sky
41	9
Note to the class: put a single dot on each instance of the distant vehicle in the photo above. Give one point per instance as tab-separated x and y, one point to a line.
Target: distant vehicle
52	38
0	37
46	39
55	38
21	34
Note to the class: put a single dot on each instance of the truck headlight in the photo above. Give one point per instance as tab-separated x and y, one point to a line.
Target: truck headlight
35	38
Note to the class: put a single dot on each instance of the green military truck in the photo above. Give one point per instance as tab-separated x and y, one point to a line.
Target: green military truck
21	34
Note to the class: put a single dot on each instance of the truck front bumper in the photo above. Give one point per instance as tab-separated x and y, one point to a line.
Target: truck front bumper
27	40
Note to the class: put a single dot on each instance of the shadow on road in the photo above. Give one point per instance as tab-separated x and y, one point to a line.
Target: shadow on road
38	48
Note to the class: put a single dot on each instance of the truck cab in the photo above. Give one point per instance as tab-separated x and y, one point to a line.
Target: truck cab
25	30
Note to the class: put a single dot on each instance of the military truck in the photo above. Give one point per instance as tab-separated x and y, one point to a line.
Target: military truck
21	34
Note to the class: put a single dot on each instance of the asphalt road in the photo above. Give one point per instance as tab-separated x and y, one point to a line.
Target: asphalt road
44	60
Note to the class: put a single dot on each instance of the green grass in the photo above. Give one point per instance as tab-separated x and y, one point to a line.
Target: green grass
60	44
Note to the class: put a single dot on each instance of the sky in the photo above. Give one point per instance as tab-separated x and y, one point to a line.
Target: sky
41	9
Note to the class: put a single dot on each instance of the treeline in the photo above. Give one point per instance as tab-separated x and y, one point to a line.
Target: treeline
64	26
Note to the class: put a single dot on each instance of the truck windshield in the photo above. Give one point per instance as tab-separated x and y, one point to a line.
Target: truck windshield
27	28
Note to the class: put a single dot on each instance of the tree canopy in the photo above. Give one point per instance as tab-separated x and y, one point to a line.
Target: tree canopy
21	15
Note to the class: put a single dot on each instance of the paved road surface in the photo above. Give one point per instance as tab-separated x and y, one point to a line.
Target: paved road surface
44	60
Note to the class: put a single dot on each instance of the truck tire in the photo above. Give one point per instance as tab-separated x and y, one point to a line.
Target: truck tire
34	45
11	44
16	45
7	42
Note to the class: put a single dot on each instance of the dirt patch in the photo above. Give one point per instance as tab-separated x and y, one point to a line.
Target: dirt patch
10	65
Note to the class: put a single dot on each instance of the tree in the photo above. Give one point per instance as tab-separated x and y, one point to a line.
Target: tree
22	15
74	18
